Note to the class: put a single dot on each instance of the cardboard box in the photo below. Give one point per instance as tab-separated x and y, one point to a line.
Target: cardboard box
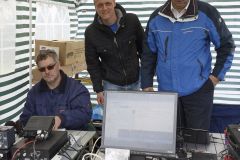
80	65
69	52
36	75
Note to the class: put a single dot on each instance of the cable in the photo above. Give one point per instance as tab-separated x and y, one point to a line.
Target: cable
34	148
20	149
67	154
91	155
75	140
69	158
64	149
95	143
223	153
82	152
71	149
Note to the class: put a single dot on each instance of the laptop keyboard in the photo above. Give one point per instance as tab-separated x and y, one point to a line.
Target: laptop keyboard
150	156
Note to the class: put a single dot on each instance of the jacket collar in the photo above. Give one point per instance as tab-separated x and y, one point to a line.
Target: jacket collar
43	87
190	15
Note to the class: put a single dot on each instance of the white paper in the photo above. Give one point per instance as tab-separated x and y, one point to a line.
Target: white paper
116	154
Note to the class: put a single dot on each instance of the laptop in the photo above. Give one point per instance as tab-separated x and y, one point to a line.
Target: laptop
142	122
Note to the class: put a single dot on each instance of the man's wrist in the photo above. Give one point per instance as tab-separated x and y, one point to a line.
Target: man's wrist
214	80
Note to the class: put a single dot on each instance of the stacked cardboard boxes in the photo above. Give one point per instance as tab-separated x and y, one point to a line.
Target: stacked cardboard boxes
71	55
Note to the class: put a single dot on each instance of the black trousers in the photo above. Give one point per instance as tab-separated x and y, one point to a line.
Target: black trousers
194	111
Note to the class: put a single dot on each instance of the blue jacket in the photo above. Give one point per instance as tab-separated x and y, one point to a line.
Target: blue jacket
70	100
179	50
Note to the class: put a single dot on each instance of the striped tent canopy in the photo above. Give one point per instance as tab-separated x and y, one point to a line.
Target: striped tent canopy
228	91
15	85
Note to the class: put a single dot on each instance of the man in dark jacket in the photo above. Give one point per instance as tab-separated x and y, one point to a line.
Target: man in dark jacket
179	36
113	46
57	95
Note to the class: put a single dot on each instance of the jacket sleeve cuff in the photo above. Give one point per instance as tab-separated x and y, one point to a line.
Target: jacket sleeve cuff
61	116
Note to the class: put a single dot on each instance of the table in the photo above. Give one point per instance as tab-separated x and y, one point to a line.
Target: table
216	146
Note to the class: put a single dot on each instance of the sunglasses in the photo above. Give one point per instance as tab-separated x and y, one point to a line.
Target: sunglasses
50	67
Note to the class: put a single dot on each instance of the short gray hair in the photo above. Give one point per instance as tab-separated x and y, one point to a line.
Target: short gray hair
44	54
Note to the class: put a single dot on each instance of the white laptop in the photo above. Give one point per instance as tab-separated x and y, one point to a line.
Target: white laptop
142	122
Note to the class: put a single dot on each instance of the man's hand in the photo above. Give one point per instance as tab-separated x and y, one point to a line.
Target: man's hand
214	80
148	89
100	98
57	123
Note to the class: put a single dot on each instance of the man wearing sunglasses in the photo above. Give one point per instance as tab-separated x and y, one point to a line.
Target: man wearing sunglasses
57	95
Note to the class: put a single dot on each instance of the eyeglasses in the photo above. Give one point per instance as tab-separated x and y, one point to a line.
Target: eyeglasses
50	67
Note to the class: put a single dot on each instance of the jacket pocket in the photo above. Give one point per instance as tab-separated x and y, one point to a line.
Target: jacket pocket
130	44
201	69
104	50
207	86
131	41
166	49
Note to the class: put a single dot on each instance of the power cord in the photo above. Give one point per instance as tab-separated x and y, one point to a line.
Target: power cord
95	143
91	155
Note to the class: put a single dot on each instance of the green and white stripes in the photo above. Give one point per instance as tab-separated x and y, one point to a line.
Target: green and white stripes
14	86
228	91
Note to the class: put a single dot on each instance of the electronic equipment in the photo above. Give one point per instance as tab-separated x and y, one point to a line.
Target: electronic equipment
4	154
233	152
233	139
203	156
196	136
151	122
43	149
17	126
7	136
39	125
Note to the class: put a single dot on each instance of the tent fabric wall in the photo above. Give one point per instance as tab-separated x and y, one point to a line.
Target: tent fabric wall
227	93
221	117
14	86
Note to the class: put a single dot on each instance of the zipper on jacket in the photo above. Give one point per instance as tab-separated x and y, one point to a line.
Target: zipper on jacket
201	67
124	72
166	46
115	41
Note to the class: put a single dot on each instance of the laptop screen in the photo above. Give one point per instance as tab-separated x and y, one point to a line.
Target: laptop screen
140	121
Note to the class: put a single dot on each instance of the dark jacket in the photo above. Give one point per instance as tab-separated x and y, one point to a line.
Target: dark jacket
70	101
114	57
182	48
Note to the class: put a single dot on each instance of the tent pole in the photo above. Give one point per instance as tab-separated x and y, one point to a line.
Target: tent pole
30	44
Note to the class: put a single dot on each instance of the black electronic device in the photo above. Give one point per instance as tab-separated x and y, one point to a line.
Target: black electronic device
38	125
233	152
233	139
233	131
17	126
4	154
142	157
7	137
203	156
196	136
43	149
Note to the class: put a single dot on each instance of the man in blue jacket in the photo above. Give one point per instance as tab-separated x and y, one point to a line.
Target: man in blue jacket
57	95
178	36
